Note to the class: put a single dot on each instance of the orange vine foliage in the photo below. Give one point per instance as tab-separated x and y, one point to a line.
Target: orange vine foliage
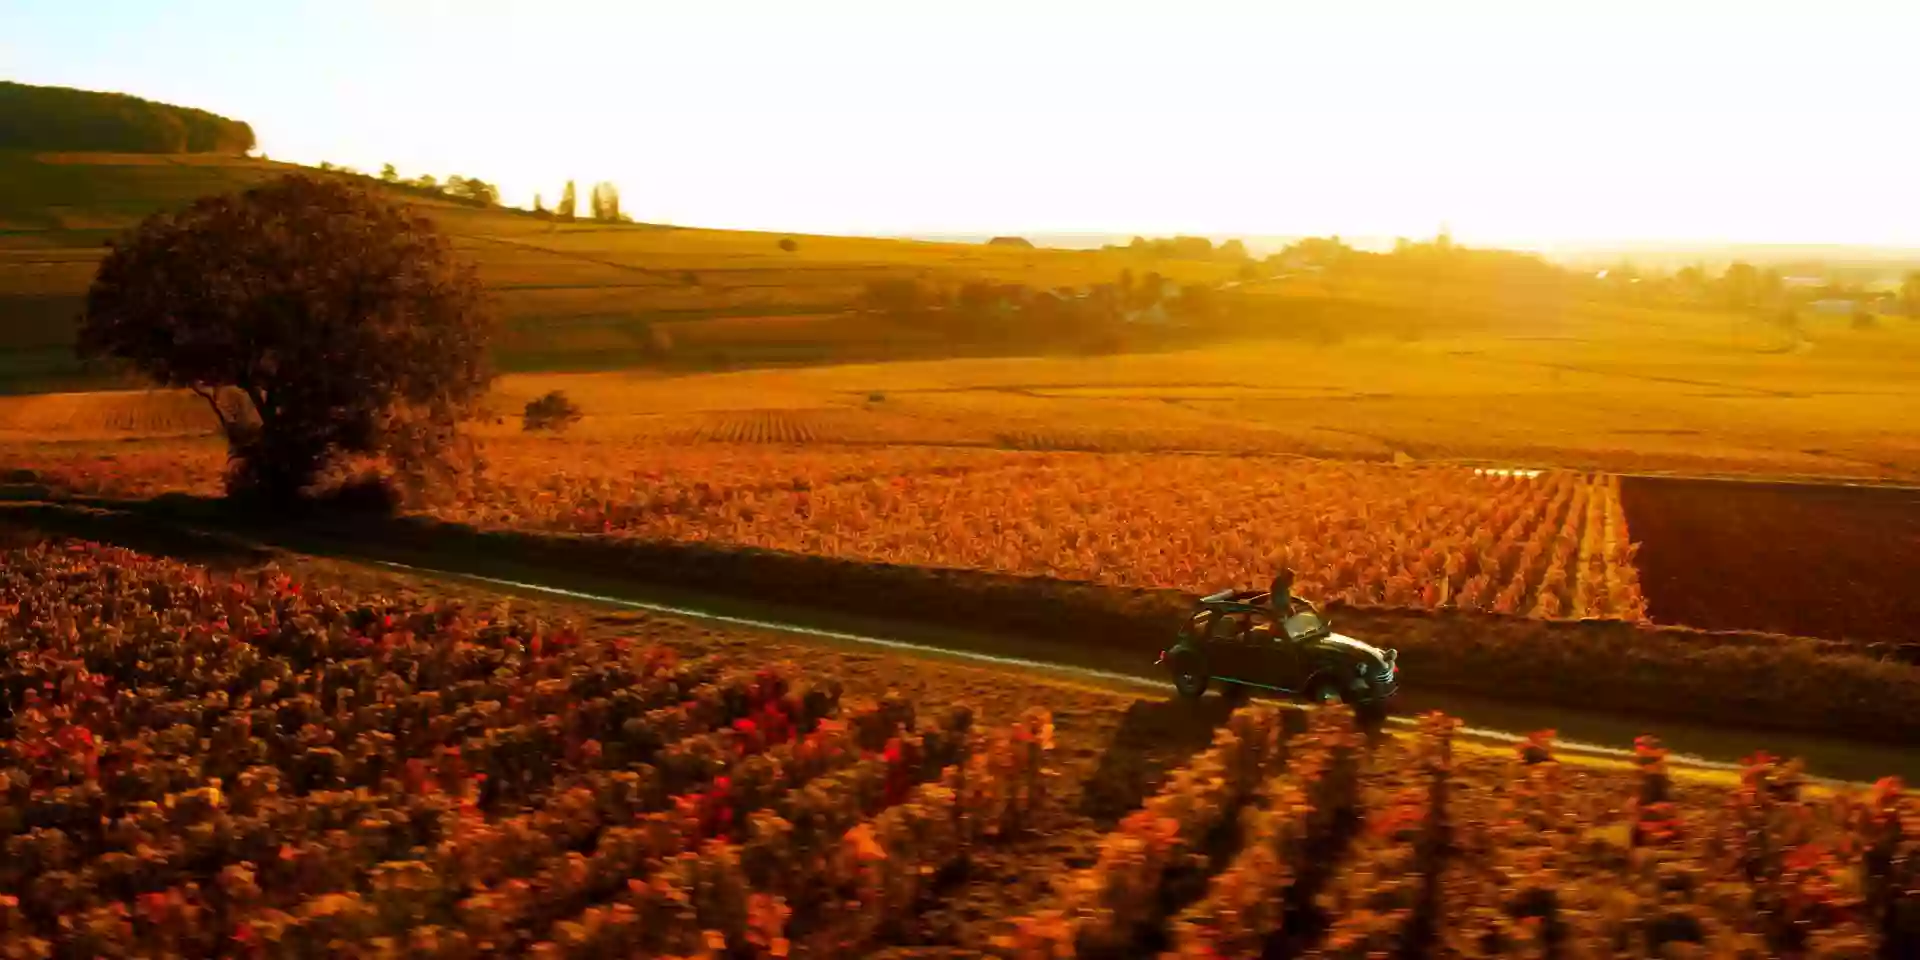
1549	545
1527	543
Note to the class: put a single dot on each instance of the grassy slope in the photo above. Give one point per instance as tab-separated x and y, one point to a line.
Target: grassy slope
573	296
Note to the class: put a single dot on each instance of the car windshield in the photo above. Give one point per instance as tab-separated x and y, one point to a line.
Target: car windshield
1305	625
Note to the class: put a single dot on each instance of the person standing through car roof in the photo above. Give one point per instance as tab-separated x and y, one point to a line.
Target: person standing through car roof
1280	597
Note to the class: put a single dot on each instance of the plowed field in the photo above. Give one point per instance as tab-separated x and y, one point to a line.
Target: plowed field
1816	561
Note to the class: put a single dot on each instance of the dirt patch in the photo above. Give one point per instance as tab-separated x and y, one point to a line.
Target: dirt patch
1802	559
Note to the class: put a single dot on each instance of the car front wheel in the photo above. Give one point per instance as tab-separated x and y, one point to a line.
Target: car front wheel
1189	676
1325	695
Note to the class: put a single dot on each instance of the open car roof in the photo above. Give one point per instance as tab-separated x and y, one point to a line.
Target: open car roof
1236	600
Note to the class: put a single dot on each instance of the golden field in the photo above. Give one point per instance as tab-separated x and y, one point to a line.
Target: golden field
1359	366
1687	396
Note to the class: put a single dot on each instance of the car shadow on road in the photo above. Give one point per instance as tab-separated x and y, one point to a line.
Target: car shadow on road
1154	736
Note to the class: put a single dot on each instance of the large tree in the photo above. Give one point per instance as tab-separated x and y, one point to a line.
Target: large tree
568	206
316	318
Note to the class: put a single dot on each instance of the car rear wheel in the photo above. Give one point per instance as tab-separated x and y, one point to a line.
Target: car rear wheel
1189	675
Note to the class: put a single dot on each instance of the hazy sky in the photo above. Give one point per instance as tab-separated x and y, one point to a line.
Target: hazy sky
1529	121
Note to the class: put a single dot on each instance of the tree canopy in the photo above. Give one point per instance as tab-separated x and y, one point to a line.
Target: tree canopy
61	118
315	317
604	202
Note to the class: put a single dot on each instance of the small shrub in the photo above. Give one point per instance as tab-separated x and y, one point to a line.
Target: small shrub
551	412
789	244
876	397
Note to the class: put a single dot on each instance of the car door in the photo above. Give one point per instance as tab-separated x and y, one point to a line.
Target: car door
1278	661
1228	655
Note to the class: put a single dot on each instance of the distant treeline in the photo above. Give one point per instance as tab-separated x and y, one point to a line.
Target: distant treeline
1101	316
1783	295
603	202
1184	248
1318	288
1424	262
472	191
64	119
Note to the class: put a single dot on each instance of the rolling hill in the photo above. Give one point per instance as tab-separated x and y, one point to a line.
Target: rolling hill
62	118
583	296
576	295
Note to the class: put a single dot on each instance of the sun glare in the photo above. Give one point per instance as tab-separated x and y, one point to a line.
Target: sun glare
1518	124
